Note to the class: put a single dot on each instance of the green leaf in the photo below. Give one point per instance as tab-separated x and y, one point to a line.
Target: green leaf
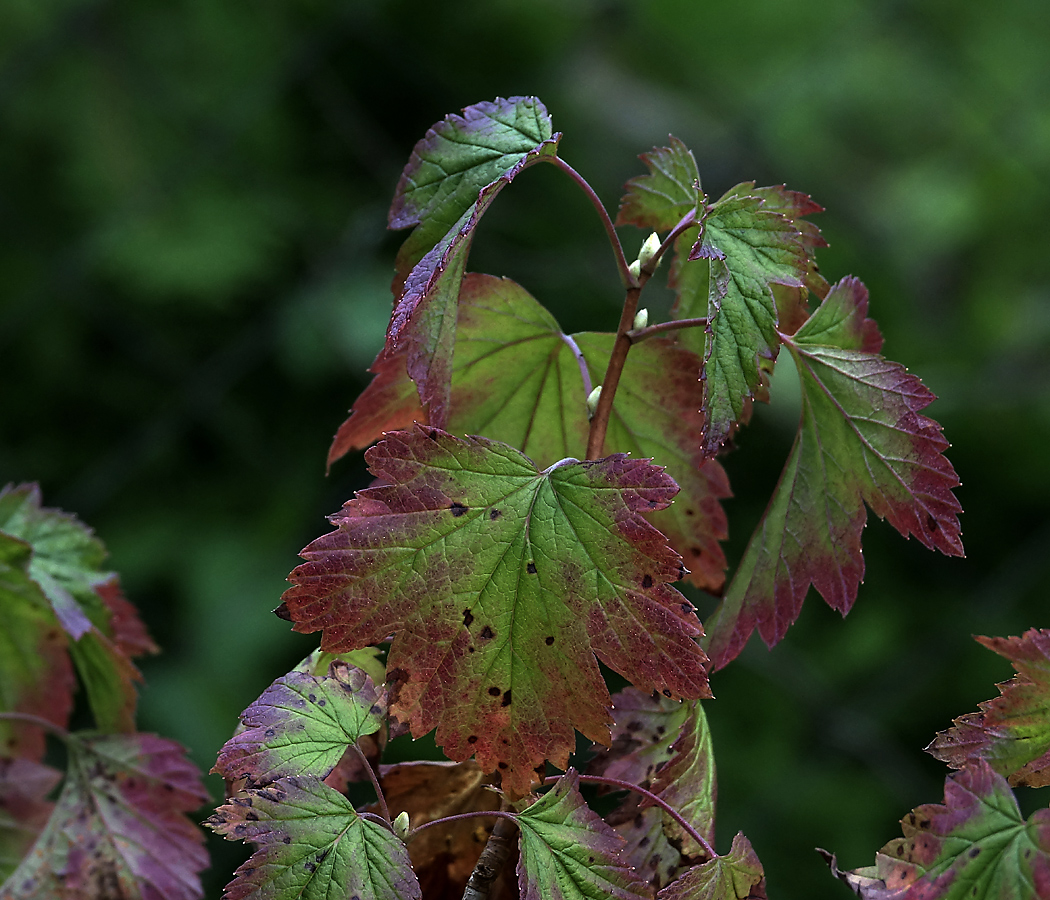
1012	732
119	827
35	672
861	439
569	853
501	584
661	199
976	846
302	725
313	845
736	876
454	174
516	378
66	564
691	282
749	246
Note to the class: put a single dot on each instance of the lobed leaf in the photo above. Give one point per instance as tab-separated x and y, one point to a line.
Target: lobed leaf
517	378
1012	732
312	844
975	846
65	563
647	848
569	853
119	827
501	584
24	808
303	724
861	439
452	177
736	876
662	198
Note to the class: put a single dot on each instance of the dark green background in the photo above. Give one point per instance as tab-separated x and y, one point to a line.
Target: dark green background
193	279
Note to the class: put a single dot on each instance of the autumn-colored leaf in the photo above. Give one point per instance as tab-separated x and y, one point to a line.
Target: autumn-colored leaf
1012	732
671	189
516	377
66	563
569	853
443	856
24	808
647	848
501	583
736	876
119	827
452	177
975	846
313	845
303	724
861	440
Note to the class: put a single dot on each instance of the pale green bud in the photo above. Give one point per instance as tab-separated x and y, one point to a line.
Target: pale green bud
401	825
592	401
649	248
635	269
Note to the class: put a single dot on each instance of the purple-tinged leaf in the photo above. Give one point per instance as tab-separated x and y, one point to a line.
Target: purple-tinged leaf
976	846
748	246
1012	732
647	849
661	199
736	876
302	725
861	440
453	176
501	584
24	808
105	630
35	673
569	853
119	828
313	845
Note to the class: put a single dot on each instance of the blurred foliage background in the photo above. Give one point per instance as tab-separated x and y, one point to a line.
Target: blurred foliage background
194	279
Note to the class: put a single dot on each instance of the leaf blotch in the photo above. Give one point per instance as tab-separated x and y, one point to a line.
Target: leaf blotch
458	509
467	618
494	691
494	514
506	698
531	568
487	634
473	739
647	582
548	640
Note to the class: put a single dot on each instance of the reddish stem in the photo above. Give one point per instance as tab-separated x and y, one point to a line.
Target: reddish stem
375	782
643	334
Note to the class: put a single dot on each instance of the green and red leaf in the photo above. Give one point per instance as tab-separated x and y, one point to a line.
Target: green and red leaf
736	876
1012	732
501	584
569	853
302	725
861	440
24	807
453	175
975	846
119	827
313	845
663	197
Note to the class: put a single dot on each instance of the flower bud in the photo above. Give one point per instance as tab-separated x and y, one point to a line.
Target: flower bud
635	269
592	401
649	248
401	825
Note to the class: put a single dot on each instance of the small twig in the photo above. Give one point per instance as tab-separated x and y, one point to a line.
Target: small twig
643	334
659	801
581	362
375	783
57	730
607	223
492	860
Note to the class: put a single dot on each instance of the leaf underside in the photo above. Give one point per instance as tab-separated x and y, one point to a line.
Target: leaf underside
501	584
974	846
737	875
861	440
1012	732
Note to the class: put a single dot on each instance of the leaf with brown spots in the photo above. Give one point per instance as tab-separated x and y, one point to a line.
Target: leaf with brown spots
567	558
303	724
976	846
736	876
569	853
119	827
313	845
1011	732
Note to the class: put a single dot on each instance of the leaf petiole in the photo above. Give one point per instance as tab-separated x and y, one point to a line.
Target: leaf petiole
57	730
643	334
375	783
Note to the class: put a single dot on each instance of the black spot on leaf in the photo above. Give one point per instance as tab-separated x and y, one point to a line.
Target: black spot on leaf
548	641
458	509
472	649
494	514
313	698
531	568
506	698
503	765
473	739
494	691
432	434
467	618
487	633
647	582
666	693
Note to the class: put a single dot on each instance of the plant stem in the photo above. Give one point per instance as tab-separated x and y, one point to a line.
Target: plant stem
56	730
467	815
610	230
600	422
643	334
653	798
581	362
375	782
492	860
